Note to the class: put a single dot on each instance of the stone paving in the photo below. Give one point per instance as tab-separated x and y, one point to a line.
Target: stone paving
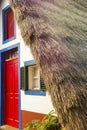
6	127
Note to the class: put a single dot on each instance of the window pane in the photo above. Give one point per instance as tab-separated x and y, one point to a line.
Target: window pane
35	84
30	76
35	71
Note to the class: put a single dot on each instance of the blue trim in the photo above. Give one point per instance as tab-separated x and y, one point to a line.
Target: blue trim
1	91
33	92
10	47
30	62
3	27
19	101
0	88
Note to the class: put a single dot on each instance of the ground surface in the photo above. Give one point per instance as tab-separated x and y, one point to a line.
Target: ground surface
6	127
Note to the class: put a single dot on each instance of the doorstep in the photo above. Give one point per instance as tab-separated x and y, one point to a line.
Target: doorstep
7	127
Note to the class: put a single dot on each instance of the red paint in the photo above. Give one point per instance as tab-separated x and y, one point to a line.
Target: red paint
11	92
28	116
9	24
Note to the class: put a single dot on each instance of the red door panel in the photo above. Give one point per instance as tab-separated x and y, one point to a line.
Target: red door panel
16	110
9	75
10	108
16	77
11	92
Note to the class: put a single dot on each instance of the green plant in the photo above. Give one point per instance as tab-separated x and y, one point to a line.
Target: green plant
49	122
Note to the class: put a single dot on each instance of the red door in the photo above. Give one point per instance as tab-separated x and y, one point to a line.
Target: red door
11	92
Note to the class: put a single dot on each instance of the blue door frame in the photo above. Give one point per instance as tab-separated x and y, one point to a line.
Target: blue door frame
1	85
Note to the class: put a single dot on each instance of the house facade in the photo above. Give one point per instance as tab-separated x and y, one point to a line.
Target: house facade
23	95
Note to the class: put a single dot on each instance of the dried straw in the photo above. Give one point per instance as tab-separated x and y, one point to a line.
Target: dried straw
56	32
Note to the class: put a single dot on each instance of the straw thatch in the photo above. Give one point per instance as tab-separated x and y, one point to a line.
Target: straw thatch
0	1
56	32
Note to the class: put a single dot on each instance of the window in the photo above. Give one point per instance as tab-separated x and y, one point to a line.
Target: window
34	80
11	55
8	24
31	80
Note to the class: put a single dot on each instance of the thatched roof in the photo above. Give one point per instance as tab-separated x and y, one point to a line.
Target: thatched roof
65	21
0	1
56	32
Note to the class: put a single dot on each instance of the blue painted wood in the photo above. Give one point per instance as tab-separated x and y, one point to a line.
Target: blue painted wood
30	62
0	89
35	93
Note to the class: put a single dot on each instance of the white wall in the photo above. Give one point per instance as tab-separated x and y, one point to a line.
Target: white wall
25	54
40	104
